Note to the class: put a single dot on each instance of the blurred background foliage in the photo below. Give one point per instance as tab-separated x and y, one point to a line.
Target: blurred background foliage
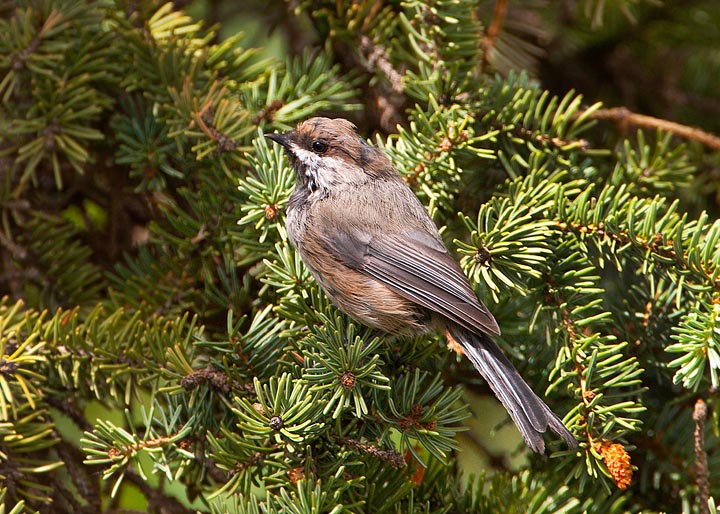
163	349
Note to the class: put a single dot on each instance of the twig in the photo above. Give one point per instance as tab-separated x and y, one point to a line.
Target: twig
217	379
377	59
624	117
657	245
84	480
702	477
493	30
67	405
204	120
389	97
390	456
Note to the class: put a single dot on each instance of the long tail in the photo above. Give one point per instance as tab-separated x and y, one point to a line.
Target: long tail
526	409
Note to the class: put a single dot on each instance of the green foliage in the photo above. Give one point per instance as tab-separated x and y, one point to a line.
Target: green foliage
159	330
349	367
58	61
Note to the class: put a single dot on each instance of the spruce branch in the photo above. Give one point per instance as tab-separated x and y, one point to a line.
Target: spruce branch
378	60
390	95
422	410
493	31
344	366
392	457
702	477
525	116
623	117
119	448
217	379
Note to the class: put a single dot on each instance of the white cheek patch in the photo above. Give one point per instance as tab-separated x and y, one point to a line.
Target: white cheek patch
313	163
310	160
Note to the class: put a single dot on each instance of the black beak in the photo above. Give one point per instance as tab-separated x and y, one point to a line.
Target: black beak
279	138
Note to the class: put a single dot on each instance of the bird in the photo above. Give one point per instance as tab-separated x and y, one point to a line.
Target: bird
373	248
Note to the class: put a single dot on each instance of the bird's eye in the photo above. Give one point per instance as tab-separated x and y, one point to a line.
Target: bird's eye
319	146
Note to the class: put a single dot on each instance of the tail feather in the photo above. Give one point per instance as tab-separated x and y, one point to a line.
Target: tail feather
527	410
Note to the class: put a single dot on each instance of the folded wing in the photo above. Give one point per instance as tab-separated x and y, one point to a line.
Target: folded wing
419	268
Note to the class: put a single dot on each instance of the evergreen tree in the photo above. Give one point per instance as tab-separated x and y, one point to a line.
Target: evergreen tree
163	348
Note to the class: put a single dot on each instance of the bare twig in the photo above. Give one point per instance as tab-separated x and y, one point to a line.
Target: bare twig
624	117
217	380
390	456
389	98
377	59
493	30
702	477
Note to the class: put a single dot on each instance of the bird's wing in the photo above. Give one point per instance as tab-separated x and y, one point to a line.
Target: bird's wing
417	267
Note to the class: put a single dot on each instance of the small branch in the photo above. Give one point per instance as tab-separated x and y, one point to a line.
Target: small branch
389	98
493	30
67	405
557	142
624	117
204	119
253	460
702	478
130	449
210	375
267	113
377	59
19	59
655	245
85	481
518	130
390	456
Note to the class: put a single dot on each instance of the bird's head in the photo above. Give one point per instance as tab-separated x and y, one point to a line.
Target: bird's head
328	153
